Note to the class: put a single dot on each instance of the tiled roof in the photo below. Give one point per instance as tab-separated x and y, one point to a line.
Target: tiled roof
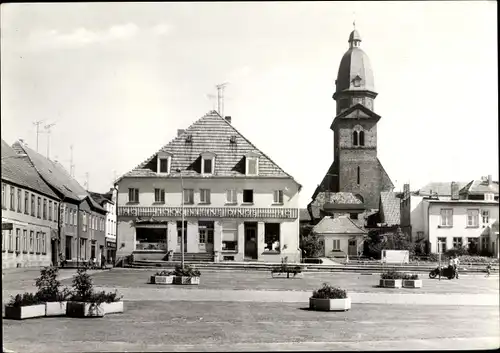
338	225
304	215
390	208
480	187
18	170
211	133
54	174
323	198
441	188
99	198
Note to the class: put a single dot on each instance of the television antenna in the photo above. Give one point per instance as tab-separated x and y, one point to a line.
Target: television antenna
37	124
48	128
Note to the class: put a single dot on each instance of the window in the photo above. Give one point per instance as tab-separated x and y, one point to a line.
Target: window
26	202
441	243
204	195
56	211
164	167
84	222
18	239
247	196
446	217
188	196
133	195
231	196
39	207
336	244
160	195
359	175
44	243
486	216
489	196
10	240
164	160
272	237
18	200
229	236
33	205
179	232
472	218
361	138
32	235
50	210
4	196
44	208
25	240
207	166
37	243
252	163
66	220
67	249
457	242
278	196
355	138
12	200
74	218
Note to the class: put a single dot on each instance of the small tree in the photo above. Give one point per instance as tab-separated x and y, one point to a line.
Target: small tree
312	246
82	285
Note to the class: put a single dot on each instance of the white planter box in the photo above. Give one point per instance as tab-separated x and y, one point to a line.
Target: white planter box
113	308
186	280
412	283
330	304
24	312
81	309
391	283
164	279
55	308
287	275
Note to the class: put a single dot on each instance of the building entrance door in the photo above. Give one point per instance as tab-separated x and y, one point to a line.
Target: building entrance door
250	241
206	237
55	255
353	248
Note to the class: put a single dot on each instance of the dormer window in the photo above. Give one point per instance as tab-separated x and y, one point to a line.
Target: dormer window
356	81
164	163
252	164
207	163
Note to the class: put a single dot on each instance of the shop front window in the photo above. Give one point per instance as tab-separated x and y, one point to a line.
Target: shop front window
229	236
151	239
272	237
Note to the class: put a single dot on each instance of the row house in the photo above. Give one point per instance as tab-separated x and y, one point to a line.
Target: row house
108	202
464	216
29	214
237	203
80	228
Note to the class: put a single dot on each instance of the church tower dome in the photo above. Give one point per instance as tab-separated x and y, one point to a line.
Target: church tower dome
355	83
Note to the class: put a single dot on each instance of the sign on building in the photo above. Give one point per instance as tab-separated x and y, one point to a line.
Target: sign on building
7	226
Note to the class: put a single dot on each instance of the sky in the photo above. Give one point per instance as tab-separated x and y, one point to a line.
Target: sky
119	79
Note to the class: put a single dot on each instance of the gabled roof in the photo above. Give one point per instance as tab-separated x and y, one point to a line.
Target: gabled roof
340	198
100	198
441	188
338	225
357	111
390	208
210	133
480	187
54	174
18	170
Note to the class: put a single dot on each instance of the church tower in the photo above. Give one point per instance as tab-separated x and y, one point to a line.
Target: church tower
356	166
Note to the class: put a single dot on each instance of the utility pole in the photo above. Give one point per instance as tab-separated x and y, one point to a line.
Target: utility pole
48	127
37	123
220	98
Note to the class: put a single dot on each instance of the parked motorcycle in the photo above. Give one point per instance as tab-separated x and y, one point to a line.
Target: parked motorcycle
450	273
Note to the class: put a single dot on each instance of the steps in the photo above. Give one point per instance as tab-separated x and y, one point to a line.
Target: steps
194	257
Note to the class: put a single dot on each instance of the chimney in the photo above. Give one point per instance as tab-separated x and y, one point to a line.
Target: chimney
180	132
454	190
490	181
228	119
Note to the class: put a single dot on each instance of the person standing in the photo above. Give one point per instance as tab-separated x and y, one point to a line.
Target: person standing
456	263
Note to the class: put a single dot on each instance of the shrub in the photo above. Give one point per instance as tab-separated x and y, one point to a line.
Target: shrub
410	276
474	259
84	291
329	292
103	297
49	288
284	268
25	299
456	252
164	273
187	271
392	275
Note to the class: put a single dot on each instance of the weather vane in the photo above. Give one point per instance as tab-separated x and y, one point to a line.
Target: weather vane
354	19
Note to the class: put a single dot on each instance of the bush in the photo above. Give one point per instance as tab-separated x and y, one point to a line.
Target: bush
49	287
187	271
392	275
25	299
164	273
409	276
83	290
475	259
329	292
284	268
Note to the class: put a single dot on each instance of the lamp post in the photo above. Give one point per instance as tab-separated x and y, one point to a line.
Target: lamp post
182	226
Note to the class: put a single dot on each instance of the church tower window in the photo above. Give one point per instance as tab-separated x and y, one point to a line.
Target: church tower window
355	138
361	138
359	176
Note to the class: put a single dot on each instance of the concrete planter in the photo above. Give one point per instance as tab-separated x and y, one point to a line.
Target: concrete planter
113	308
82	309
330	304
24	312
55	308
186	280
287	275
163	279
391	283
412	283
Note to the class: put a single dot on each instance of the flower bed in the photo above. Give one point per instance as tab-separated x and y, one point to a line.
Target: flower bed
186	275
329	298
391	279
411	281
285	271
24	306
162	277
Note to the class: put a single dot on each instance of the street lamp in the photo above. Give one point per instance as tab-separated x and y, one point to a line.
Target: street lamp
182	212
